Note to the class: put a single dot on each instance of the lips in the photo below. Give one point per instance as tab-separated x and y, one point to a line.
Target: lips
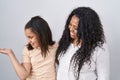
72	34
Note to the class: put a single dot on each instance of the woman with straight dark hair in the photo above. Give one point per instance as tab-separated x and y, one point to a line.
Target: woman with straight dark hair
82	52
38	58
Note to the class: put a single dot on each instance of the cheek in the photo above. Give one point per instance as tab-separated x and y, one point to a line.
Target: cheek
36	41
75	31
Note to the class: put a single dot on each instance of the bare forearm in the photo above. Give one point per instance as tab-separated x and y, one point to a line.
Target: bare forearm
20	70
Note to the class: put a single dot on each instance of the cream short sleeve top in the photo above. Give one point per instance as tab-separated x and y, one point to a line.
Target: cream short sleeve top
42	68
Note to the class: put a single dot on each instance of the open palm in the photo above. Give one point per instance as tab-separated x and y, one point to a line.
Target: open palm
6	51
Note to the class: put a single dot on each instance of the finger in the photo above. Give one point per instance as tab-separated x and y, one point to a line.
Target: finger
2	49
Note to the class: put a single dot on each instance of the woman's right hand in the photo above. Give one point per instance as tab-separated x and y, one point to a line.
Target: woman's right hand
6	51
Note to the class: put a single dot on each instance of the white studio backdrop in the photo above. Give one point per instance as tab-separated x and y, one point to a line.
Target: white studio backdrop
14	14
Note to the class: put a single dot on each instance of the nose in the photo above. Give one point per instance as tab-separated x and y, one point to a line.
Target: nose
71	28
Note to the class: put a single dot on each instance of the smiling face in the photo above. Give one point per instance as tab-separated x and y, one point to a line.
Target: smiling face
33	39
73	27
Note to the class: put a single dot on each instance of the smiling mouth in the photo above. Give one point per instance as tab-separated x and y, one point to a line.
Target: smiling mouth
72	34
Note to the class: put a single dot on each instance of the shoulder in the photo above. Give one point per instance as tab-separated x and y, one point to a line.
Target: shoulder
103	50
54	46
25	50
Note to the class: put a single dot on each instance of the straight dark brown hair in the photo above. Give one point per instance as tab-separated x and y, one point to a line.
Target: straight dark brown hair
41	28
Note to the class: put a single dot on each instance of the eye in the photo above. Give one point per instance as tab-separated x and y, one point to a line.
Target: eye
30	37
69	26
75	28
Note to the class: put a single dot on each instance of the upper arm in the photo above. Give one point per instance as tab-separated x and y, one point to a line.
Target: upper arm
27	67
102	64
26	62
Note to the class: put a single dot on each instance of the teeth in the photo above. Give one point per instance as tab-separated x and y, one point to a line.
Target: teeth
72	33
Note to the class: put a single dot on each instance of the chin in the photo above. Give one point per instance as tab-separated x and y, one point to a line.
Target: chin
72	37
33	46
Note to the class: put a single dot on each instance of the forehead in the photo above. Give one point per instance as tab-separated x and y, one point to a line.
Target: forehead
29	31
74	19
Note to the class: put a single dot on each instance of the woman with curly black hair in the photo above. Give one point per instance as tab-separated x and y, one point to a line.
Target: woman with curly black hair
82	52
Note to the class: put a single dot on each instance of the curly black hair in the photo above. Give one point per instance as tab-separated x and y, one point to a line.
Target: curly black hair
90	31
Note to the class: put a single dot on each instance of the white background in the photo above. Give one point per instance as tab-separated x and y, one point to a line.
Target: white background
14	14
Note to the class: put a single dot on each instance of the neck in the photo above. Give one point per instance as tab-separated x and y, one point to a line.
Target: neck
76	43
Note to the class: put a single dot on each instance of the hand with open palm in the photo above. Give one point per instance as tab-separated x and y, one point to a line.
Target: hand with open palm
6	51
